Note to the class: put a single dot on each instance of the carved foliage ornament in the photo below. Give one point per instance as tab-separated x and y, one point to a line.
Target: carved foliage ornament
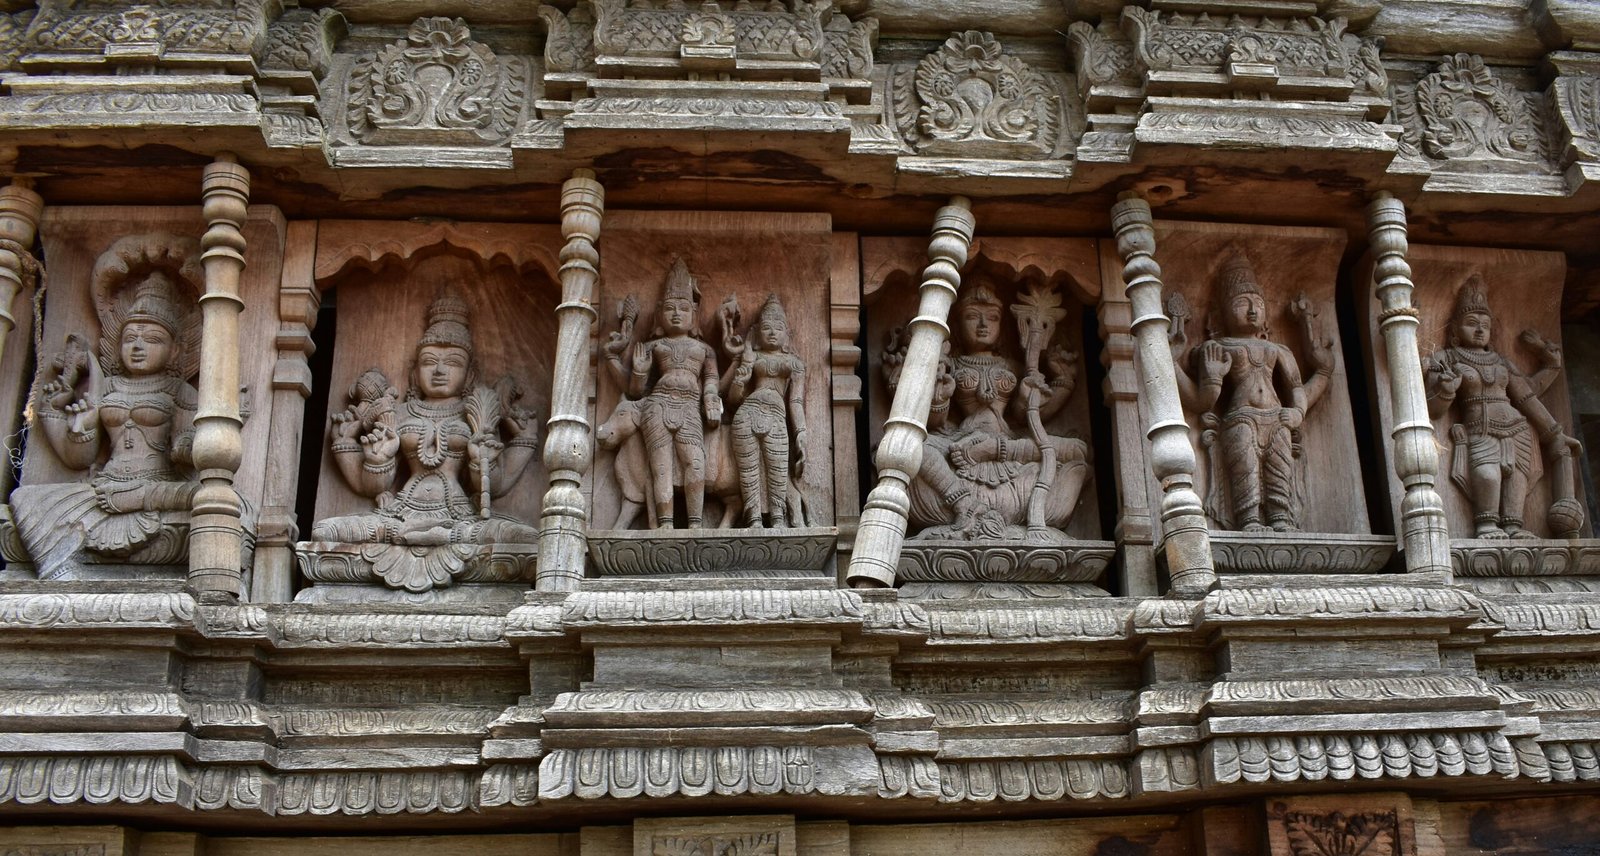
1102	55
969	98
753	844
1173	41
1464	111
198	26
1366	833
437	85
778	31
302	40
1578	99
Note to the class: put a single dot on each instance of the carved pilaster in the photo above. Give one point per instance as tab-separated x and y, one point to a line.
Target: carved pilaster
298	302
19	219
1183	523
883	521
1134	528
569	444
1425	535
216	533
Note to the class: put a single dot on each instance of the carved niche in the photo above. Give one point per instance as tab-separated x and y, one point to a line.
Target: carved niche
717	423
1004	503
1264	389
970	98
1497	395
107	484
438	85
431	472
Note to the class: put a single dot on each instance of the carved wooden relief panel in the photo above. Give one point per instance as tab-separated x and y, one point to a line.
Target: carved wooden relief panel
431	475
715	392
1006	491
106	488
1497	395
1265	392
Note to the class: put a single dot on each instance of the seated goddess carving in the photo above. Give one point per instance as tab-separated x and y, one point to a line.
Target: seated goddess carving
1498	414
460	445
126	417
987	458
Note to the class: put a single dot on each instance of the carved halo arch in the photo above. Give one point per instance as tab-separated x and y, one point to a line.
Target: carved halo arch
129	261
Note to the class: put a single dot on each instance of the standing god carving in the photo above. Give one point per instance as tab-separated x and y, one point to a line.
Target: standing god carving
989	469
1252	399
1497	415
462	444
126	415
768	392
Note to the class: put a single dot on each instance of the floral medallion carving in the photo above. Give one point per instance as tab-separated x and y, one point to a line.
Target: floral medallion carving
971	99
437	85
1364	833
1465	112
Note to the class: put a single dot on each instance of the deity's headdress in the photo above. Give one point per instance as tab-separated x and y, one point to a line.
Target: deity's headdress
979	293
447	323
155	301
1238	278
681	284
1472	299
772	310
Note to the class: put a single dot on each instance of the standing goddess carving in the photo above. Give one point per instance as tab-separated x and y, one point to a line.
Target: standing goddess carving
1252	400
462	445
979	473
673	377
126	417
768	392
1498	413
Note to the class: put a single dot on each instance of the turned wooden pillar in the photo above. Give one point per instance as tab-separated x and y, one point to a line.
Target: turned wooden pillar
883	521
1184	535
216	533
569	441
19	220
1425	535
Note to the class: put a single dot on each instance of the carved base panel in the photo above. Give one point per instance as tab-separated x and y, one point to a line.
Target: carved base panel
999	591
733	553
1300	552
367	593
1479	557
953	561
361	565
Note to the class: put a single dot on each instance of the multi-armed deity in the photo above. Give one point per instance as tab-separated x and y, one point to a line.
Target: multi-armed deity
1252	399
1498	416
125	415
667	430
460	443
989	469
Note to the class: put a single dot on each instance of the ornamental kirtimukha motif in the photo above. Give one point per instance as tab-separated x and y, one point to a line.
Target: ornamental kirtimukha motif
971	99
437	85
1465	112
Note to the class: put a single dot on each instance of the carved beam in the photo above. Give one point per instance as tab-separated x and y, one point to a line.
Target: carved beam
216	533
1183	522
883	521
19	220
1425	534
569	443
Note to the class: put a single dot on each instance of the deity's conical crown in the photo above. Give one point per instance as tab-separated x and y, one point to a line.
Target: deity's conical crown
979	293
447	323
1238	278
772	310
681	285
155	300
1472	298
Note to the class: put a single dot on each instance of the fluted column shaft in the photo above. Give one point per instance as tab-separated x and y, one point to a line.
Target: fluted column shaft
216	532
569	441
883	521
20	208
1425	534
1185	538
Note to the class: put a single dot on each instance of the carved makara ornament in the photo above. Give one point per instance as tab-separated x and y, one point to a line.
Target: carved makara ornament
461	444
437	85
1500	424
125	415
989	470
969	98
1250	398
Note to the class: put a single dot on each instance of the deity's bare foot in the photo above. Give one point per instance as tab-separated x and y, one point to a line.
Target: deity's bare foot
780	522
1283	526
1491	532
1255	526
424	534
1519	532
755	522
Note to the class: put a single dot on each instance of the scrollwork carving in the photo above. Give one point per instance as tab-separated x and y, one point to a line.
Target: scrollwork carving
436	85
1463	111
970	98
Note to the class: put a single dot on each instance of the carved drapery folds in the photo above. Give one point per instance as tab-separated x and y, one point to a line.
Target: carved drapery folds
969	98
438	85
